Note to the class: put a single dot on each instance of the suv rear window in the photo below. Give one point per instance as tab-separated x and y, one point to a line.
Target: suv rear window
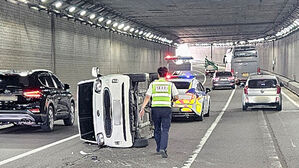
262	83
181	85
13	81
223	74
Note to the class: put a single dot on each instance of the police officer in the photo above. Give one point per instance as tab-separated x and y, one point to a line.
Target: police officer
162	93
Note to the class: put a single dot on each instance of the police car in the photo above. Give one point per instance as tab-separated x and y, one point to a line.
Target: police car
194	101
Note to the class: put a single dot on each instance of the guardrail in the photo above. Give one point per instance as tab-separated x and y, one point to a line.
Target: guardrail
290	84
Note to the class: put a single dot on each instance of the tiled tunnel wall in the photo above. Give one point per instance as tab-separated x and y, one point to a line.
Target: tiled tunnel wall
31	39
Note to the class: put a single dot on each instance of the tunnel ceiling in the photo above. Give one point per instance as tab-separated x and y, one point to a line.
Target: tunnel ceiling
194	21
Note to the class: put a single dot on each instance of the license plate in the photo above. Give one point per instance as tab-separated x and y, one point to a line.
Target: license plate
245	74
223	79
8	98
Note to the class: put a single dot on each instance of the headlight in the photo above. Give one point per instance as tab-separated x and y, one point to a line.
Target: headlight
98	86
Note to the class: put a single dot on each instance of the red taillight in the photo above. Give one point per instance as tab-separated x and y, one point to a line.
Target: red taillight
231	78
246	90
168	76
32	94
232	71
35	110
258	70
278	89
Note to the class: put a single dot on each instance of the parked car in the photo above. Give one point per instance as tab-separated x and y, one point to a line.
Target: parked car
223	79
262	90
194	101
35	98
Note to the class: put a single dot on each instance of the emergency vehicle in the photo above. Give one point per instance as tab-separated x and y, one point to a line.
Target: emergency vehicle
194	101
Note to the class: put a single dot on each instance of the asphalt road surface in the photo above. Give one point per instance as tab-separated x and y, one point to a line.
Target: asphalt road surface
229	138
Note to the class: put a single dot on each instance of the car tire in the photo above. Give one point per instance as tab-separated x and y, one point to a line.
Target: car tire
140	143
244	107
49	125
198	118
137	77
213	88
233	87
71	119
208	113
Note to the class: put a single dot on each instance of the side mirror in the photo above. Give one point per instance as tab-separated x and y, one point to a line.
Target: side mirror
66	86
95	72
208	90
281	84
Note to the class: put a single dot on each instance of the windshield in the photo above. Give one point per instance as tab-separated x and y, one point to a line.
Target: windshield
223	74
248	53
182	85
13	81
262	83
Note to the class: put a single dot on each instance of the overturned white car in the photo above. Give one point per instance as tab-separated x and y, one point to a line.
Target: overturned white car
108	109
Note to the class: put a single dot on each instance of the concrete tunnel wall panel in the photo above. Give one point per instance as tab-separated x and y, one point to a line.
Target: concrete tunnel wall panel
30	41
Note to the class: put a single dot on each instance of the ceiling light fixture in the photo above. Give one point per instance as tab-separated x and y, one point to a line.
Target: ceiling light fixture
121	26
83	12
72	9
132	29
115	24
58	4
92	16
101	19
126	28
109	22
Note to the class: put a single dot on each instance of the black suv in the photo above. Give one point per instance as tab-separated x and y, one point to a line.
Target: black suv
35	98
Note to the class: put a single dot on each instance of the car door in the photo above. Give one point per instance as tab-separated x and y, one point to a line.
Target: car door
50	90
202	91
64	100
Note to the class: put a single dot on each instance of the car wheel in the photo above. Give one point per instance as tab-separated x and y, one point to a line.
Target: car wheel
49	125
244	107
70	121
213	88
208	113
233	87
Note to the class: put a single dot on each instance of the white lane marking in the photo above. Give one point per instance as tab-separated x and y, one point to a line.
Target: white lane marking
269	143
290	99
204	81
199	147
294	146
37	150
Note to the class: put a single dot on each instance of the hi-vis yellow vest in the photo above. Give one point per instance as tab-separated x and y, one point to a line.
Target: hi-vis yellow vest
161	93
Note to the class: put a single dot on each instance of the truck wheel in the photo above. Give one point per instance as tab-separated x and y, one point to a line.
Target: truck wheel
49	124
71	119
137	77
140	143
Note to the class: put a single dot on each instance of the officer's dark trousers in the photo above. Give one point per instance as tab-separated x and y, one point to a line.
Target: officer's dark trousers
162	118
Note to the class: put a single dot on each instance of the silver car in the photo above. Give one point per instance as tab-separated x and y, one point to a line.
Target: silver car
262	90
223	79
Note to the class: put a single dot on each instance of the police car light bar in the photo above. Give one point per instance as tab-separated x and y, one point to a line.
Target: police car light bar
168	57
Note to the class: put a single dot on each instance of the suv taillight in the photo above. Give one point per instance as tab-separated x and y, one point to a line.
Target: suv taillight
258	70
216	79
232	71
278	89
246	89
231	78
32	93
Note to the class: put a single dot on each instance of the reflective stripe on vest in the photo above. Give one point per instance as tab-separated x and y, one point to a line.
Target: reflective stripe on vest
161	93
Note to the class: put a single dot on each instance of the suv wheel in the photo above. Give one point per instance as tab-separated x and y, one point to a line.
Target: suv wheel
49	125
199	118
71	119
